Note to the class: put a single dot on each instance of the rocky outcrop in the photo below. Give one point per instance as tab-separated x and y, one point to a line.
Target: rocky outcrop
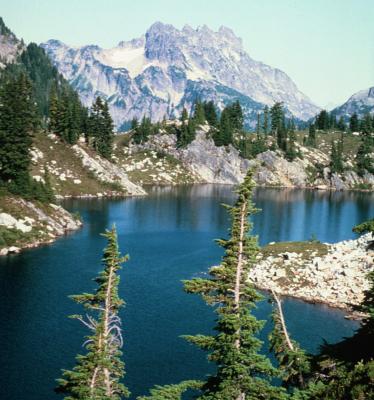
337	278
32	225
206	162
107	171
310	171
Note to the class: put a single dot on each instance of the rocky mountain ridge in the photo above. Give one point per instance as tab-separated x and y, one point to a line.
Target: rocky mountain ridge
167	69
360	103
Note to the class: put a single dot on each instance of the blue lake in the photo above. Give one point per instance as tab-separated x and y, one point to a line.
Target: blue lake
169	236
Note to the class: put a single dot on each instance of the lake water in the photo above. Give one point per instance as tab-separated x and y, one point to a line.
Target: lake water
169	236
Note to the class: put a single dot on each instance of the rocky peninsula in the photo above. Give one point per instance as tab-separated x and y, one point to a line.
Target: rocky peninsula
333	274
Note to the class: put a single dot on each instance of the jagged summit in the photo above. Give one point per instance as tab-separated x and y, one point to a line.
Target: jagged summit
167	68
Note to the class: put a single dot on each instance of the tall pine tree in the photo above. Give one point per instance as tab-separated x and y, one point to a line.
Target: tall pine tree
199	113
242	372
354	123
277	116
97	374
18	120
211	113
101	128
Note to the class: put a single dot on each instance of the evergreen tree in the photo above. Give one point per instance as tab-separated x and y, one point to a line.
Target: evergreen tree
364	158
341	124
199	113
336	163
18	120
134	123
249	148
365	227
311	140
105	145
277	118
171	392
226	130
366	125
211	113
42	74
143	131
291	125
101	128
266	120
53	110
282	135
67	117
332	121
184	116
187	133
354	124
98	373
236	116
218	136
291	152
242	372
323	120
258	125
48	195
75	123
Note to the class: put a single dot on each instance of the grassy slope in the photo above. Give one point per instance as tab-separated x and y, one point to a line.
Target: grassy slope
61	159
145	167
324	139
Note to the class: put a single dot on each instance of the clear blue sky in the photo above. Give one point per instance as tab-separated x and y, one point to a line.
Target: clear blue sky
326	46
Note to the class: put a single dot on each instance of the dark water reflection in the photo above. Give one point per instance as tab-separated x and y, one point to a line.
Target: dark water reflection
169	236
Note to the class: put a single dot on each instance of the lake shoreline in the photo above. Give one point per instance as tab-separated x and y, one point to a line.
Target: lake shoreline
25	224
144	186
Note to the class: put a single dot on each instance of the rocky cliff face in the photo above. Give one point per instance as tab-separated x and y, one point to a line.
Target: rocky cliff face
167	69
311	171
211	164
205	162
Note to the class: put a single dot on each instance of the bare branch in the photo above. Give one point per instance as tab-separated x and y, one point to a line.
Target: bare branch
283	323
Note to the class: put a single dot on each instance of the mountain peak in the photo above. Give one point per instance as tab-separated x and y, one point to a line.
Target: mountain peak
361	103
228	32
168	68
159	27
